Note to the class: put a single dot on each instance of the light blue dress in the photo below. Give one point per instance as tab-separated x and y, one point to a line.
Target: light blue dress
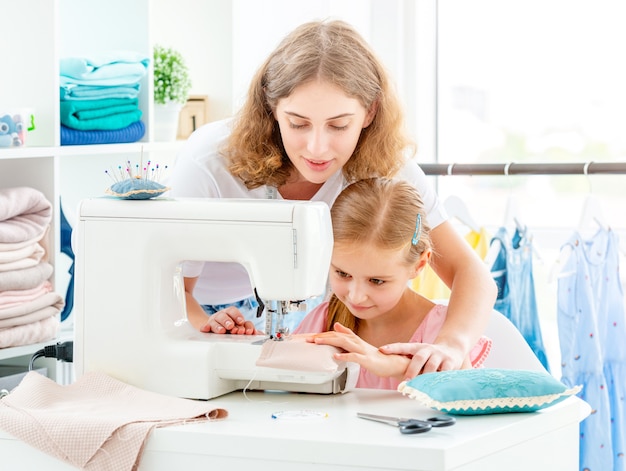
512	271
592	334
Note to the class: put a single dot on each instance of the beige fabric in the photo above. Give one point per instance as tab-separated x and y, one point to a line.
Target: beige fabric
96	423
295	353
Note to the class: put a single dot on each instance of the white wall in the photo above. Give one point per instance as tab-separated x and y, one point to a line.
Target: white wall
225	41
258	27
202	32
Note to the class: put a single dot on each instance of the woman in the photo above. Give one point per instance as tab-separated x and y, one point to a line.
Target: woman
321	113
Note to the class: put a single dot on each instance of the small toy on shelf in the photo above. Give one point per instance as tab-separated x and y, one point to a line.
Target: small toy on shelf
12	131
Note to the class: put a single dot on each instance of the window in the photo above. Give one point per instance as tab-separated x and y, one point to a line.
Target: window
533	81
526	81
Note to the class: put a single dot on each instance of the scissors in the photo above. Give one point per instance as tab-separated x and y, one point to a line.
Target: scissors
409	426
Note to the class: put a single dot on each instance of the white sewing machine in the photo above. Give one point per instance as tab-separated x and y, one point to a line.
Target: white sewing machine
129	295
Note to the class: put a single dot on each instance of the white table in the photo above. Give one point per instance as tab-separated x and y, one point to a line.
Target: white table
544	440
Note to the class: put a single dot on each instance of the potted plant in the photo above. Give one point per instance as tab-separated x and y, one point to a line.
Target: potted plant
171	90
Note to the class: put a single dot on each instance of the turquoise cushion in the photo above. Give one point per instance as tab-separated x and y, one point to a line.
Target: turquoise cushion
486	390
136	189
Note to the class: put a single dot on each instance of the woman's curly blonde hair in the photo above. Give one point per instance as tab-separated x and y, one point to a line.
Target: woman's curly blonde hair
335	52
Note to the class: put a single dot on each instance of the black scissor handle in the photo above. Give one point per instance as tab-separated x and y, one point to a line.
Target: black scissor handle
441	421
414	426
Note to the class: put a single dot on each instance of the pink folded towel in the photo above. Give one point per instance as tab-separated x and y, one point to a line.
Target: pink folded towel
33	258
96	423
10	298
24	213
33	250
46	305
26	278
9	247
28	334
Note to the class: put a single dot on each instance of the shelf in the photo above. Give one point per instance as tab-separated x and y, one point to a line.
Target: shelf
23	350
58	29
101	149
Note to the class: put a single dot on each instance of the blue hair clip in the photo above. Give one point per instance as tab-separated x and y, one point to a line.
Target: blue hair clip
418	230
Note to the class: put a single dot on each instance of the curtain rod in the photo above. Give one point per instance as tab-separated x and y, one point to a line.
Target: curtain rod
514	168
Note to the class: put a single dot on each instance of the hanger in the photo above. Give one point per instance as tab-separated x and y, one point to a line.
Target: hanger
591	216
512	213
555	270
512	220
457	208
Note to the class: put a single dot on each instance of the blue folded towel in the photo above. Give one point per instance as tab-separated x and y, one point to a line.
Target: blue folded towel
112	68
88	92
132	133
89	115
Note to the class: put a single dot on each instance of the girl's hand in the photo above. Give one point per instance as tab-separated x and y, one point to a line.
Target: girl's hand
361	352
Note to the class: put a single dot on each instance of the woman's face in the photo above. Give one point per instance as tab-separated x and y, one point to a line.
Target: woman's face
368	280
320	127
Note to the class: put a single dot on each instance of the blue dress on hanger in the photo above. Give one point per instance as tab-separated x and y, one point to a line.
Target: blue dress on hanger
592	333
512	270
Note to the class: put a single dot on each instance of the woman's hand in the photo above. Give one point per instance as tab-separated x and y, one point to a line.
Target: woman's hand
426	357
359	351
229	321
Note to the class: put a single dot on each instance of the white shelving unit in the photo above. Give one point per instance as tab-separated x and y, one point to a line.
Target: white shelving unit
42	32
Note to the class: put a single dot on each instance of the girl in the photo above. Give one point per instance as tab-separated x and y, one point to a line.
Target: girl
381	242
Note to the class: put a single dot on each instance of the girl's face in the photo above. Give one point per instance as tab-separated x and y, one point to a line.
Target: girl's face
320	127
369	281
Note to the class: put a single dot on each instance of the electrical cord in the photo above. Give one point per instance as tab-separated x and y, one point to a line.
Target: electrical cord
63	351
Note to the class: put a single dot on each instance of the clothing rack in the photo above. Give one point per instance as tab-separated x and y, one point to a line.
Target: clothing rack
515	168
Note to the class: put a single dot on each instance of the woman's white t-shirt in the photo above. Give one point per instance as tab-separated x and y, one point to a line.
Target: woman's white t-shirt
200	171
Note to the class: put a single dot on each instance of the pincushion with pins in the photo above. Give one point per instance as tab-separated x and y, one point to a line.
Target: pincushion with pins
140	183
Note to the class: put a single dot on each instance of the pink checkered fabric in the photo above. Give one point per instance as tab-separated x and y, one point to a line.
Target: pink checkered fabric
96	423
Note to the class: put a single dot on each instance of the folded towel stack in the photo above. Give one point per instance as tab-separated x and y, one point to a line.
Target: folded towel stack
29	308
100	98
